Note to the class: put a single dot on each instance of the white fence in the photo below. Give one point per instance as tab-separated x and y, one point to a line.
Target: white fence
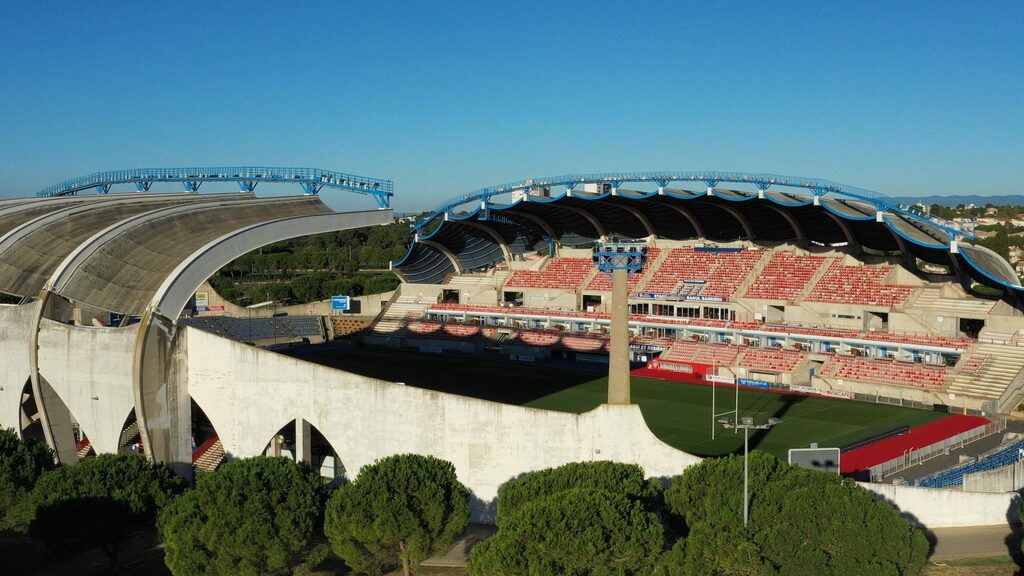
925	453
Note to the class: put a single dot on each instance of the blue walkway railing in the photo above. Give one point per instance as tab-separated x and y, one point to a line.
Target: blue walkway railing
312	180
711	178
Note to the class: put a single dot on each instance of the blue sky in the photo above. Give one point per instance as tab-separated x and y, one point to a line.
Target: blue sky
443	98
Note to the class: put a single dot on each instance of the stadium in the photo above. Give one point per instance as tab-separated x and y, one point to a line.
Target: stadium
862	324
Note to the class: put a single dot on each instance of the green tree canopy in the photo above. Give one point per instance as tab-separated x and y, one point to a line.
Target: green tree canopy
625	479
21	465
801	522
99	501
255	516
400	509
581	531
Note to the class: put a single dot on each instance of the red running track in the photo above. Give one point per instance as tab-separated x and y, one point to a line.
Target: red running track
861	459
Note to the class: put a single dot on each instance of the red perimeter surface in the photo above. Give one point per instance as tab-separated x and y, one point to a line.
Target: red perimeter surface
861	459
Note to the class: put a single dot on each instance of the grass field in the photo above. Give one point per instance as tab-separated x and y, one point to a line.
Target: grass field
679	414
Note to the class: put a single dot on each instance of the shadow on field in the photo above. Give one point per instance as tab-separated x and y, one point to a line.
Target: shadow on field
788	401
467	375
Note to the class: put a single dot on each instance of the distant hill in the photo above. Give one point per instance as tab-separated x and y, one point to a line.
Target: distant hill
1014	200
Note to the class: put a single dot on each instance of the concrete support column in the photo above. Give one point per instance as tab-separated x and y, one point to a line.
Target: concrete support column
61	429
303	441
618	363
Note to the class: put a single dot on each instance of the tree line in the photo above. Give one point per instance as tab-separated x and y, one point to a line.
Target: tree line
274	516
312	268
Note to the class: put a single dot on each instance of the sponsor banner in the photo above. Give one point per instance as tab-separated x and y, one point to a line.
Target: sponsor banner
596	359
202	300
669	367
339	303
215	308
719	379
679	298
827	393
646	348
523	357
754	383
694	282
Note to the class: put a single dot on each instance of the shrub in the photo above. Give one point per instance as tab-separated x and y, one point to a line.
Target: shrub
253	516
400	510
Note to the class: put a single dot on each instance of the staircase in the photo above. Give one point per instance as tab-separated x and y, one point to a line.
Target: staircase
129	434
1002	365
208	455
393	323
84	447
753	275
818	274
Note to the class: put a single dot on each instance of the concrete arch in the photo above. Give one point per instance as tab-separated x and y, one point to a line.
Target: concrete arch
505	251
744	223
797	228
155	404
641	217
542	223
851	240
685	213
447	253
598	227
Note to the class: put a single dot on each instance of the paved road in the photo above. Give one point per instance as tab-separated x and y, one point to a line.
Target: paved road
975	541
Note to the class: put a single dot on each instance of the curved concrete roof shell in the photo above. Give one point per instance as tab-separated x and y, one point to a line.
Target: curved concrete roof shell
718	214
123	267
31	252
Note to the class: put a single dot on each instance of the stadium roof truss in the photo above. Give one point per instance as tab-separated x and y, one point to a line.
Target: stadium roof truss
312	180
476	230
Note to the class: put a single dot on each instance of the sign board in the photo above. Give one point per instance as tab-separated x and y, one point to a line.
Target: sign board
202	300
719	379
339	303
754	383
821	459
215	308
820	392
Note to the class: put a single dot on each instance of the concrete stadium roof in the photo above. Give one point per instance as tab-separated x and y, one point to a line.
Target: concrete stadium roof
31	251
475	231
121	268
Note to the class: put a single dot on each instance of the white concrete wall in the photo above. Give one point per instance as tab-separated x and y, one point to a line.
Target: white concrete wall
249	394
15	327
91	370
1004	479
936	508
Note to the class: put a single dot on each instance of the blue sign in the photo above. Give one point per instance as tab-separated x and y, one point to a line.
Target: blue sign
339	302
754	383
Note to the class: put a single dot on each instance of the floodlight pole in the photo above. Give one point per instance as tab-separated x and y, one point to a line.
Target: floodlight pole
746	475
619	260
747	423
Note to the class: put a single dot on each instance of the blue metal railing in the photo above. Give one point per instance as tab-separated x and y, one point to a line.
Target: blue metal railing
247	177
815	186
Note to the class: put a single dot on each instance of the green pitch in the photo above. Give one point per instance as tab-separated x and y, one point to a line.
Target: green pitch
679	414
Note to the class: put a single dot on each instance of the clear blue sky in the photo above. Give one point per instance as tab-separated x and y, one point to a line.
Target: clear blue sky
446	97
